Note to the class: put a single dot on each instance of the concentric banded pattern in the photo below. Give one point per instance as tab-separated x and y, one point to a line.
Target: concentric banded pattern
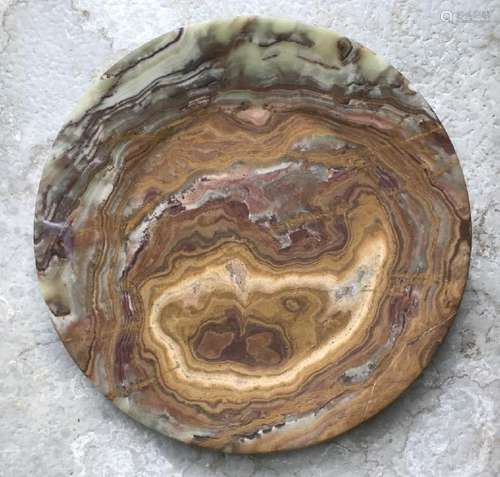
252	235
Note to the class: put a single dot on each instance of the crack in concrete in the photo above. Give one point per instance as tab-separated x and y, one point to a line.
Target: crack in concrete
35	346
5	13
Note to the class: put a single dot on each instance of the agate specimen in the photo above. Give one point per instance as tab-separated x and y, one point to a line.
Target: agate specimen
252	234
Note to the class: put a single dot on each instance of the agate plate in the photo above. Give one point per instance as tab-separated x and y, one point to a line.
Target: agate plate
252	235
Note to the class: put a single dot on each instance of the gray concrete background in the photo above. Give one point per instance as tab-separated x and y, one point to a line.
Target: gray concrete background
54	423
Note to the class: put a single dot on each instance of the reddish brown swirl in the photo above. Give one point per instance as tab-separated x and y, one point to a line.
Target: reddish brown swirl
252	234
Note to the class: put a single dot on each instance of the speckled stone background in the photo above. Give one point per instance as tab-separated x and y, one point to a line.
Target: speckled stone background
52	421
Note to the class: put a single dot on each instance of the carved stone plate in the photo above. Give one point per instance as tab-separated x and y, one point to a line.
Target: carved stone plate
252	235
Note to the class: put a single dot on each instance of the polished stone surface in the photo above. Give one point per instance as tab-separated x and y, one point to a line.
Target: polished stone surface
252	235
456	395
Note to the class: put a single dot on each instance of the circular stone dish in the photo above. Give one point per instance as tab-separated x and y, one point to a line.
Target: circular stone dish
252	234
